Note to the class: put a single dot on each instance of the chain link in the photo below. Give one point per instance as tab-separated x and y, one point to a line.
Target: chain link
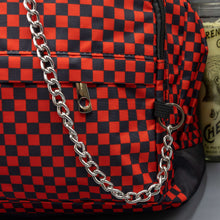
58	99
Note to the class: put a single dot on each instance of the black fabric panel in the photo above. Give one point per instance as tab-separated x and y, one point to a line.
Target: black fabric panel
189	167
161	110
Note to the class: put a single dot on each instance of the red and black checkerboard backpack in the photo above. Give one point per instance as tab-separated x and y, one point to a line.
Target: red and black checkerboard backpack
120	133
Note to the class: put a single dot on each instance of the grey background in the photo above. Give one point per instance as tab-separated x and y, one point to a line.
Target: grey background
202	1
204	205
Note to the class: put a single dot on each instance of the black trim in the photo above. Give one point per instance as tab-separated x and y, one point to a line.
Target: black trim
189	167
161	110
160	26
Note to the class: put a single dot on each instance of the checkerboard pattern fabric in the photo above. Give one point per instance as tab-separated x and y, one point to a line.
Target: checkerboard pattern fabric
112	46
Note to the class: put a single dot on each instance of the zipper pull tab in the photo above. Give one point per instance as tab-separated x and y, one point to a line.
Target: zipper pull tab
83	98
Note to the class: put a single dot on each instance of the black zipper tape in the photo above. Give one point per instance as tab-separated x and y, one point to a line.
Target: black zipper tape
160	26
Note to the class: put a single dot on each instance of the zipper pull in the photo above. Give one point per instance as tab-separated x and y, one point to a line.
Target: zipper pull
83	98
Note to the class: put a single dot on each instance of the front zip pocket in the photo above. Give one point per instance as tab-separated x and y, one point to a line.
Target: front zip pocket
160	32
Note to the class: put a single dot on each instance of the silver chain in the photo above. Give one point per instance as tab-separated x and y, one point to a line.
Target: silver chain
59	100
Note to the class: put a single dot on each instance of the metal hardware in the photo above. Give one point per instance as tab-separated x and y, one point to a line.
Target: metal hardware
47	66
176	127
83	98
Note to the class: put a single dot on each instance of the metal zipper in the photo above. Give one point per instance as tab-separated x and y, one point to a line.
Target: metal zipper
160	26
83	100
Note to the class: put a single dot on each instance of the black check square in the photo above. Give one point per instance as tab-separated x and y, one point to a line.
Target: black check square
61	33
97	23
9	128
97	2
108	12
86	10
85	34
61	9
12	8
108	36
3	19
73	46
50	21
97	47
14	74
73	22
119	25
3	47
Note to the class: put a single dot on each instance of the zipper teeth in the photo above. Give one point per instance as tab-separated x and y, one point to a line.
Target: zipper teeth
162	36
160	26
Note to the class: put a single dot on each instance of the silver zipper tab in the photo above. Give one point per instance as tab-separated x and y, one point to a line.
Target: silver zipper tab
83	100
